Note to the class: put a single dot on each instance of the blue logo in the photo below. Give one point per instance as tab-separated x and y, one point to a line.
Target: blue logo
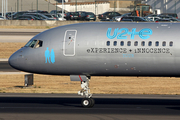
49	56
124	32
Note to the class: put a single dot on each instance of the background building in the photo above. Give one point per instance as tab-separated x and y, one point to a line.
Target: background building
165	6
24	5
96	6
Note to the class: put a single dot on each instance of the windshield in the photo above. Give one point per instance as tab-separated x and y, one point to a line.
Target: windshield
76	13
49	16
144	8
59	15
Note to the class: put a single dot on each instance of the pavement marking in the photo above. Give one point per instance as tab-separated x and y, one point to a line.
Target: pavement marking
4	59
7	73
22	39
66	108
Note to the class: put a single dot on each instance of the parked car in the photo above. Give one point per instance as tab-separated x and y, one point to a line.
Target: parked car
72	16
59	17
148	19
165	17
50	16
108	15
126	20
111	20
81	15
87	16
56	11
174	19
153	17
17	14
39	15
27	17
163	20
39	11
1	18
118	18
134	19
170	14
8	15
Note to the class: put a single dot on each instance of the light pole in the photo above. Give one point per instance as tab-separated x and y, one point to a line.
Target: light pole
114	5
32	5
95	7
37	6
56	10
175	6
76	5
17	5
2	8
21	5
48	6
6	5
62	9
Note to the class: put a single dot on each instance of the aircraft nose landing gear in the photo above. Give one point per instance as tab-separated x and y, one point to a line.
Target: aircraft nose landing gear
88	101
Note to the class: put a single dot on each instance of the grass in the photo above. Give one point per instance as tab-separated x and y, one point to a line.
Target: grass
7	49
106	85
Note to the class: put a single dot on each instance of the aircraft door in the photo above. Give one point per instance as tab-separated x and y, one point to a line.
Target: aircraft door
69	42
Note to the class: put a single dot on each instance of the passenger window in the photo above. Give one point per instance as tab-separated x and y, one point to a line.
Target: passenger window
115	43
157	43
163	43
150	43
171	43
129	43
136	43
142	43
108	43
122	43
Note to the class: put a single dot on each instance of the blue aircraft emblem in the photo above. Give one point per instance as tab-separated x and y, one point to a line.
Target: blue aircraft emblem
49	56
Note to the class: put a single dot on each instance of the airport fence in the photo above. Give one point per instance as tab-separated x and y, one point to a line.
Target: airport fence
96	6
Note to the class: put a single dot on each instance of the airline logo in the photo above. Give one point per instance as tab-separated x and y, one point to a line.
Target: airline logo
123	33
49	56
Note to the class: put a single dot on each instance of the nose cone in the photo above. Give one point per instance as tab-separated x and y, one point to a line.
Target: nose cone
13	61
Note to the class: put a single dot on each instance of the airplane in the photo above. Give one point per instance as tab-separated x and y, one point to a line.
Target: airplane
102	49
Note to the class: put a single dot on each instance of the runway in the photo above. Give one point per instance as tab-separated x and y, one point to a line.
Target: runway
5	67
107	107
18	35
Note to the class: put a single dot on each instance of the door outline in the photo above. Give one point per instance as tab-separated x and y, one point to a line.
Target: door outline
64	43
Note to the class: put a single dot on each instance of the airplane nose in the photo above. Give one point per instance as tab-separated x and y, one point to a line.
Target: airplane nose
13	61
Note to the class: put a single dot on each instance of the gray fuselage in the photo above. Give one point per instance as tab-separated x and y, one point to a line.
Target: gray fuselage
104	49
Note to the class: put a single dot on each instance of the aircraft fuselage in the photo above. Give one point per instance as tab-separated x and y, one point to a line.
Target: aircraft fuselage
104	49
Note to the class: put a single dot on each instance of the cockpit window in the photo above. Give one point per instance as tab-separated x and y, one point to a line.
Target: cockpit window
38	44
29	42
34	44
